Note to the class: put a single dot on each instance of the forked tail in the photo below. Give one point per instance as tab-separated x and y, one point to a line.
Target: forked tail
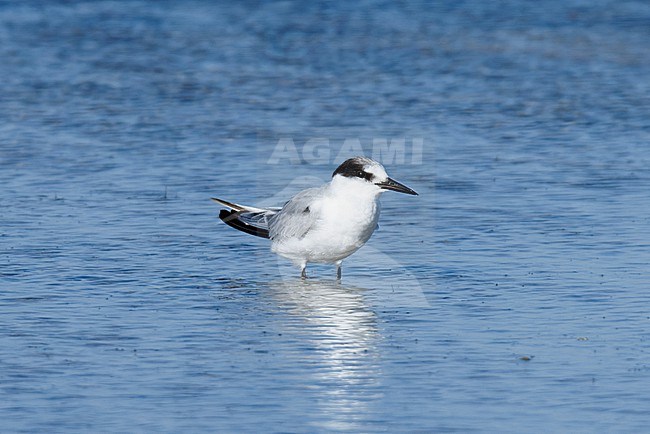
248	219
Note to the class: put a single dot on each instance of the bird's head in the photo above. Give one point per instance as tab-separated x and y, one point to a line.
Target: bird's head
368	174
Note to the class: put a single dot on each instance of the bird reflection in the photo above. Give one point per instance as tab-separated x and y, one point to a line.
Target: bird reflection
343	331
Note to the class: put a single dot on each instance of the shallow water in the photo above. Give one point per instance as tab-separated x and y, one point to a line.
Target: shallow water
511	295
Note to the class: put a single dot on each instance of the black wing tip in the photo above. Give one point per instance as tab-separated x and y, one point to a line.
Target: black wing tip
225	215
231	219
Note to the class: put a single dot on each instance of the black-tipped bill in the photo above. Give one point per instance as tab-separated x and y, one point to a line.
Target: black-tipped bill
391	184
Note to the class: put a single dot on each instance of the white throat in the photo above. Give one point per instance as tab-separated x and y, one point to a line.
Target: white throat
353	188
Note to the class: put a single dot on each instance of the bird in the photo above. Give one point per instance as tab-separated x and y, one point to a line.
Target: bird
323	224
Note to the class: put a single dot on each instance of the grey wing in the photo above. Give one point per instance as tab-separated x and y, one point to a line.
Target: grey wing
258	219
297	217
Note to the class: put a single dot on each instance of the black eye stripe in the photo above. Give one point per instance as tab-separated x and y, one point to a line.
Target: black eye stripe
365	175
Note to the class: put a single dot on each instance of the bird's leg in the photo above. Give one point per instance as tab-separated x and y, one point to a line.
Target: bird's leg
303	273
338	270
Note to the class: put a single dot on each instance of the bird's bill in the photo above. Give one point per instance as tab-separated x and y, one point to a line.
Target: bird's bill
391	184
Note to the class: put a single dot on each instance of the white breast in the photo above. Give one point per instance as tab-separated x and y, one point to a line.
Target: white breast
348	215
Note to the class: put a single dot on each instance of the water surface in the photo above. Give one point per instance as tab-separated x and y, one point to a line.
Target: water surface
511	295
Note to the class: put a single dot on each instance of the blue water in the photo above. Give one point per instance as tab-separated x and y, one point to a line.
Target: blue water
512	295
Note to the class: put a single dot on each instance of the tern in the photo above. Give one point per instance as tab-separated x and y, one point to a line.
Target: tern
323	224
